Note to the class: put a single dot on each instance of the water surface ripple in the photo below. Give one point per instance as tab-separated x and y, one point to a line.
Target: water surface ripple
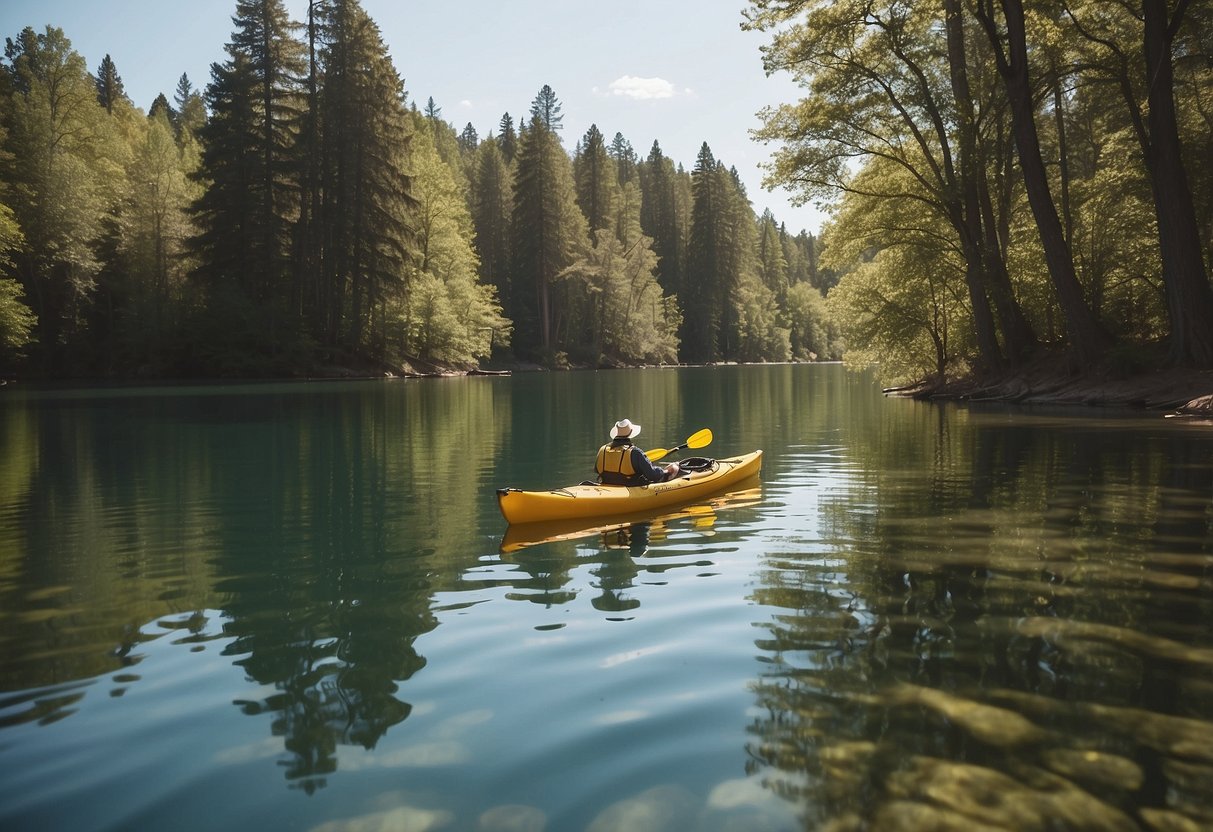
288	606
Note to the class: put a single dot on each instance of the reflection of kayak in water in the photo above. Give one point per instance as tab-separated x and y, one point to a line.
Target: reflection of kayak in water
747	491
592	500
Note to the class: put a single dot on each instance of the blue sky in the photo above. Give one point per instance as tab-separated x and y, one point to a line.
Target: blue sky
678	71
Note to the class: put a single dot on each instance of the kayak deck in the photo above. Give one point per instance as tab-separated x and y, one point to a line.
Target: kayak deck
592	500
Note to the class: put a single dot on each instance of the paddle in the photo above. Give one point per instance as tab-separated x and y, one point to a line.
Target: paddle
699	439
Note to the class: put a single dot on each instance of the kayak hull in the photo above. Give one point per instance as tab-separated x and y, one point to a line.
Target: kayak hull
700	513
578	502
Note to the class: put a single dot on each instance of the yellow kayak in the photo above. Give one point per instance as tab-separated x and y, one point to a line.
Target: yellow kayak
581	501
701	513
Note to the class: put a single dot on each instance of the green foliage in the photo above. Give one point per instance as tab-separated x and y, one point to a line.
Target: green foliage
547	230
109	85
16	319
704	288
297	216
61	171
191	110
547	110
154	227
446	314
759	335
905	126
626	317
596	179
812	333
665	216
251	159
900	304
492	204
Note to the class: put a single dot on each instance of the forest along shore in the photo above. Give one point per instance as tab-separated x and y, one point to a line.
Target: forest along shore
1185	392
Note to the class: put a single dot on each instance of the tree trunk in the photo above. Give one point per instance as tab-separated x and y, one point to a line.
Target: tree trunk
1087	339
1189	297
964	212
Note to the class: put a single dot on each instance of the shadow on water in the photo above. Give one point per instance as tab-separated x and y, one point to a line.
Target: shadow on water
1014	629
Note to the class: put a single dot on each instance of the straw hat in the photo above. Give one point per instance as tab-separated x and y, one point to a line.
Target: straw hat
625	427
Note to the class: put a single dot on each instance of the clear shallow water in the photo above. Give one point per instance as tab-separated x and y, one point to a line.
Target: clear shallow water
283	606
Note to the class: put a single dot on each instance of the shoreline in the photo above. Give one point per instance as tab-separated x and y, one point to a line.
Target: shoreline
1183	392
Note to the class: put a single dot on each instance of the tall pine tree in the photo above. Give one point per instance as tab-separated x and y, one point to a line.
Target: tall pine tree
109	84
251	159
703	292
491	209
547	228
366	221
595	174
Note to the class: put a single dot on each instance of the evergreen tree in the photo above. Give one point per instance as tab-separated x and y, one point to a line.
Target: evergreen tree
702	295
596	180
191	110
794	257
508	139
772	263
546	110
448	143
109	84
627	317
432	111
747	307
492	205
625	158
161	107
469	140
368	205
663	219
251	158
547	228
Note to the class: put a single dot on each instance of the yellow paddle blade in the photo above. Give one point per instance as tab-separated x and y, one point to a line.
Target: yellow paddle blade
699	439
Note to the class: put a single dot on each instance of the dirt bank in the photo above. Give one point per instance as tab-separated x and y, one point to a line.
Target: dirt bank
1175	391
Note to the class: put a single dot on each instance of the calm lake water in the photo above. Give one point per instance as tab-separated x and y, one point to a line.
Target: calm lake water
285	606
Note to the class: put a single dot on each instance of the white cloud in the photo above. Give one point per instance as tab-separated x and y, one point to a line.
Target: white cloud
465	104
644	89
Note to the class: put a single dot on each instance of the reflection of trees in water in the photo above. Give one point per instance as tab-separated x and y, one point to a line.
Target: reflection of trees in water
335	668
328	611
317	517
1023	639
95	543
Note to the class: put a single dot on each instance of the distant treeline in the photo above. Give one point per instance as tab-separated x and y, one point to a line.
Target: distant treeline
1018	178
300	214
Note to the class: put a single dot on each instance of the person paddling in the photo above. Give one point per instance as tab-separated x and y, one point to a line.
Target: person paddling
620	462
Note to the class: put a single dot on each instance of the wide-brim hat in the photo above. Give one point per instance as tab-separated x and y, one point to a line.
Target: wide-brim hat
625	427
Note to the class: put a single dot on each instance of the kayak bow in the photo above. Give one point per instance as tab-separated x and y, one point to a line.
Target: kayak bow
579	501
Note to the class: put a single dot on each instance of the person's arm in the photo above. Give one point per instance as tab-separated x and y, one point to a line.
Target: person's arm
644	466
